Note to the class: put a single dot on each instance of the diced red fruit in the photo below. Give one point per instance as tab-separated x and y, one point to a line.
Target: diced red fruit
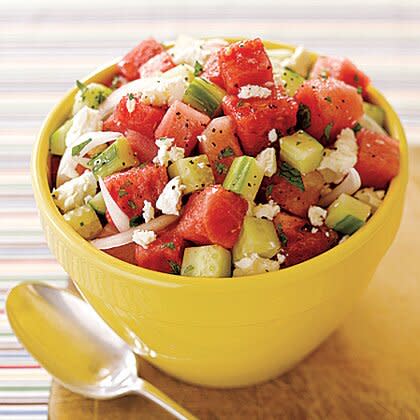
255	117
129	189
212	70
80	169
54	163
342	69
244	63
184	124
301	243
144	118
213	216
164	254
157	64
290	198
378	159
134	59
124	252
333	106
144	148
220	145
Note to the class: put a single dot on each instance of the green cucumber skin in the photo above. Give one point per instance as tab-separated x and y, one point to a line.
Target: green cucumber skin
58	138
206	261
244	177
111	159
204	96
292	81
348	225
98	204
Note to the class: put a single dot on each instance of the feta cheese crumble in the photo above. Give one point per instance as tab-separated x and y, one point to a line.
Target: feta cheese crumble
131	103
167	153
272	135
253	91
72	193
176	153
268	161
202	138
189	50
268	211
144	237
148	212
317	215
169	201
254	264
281	258
300	61
371	197
340	159
86	120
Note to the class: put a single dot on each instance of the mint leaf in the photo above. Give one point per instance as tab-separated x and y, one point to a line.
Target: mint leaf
175	268
226	152
282	235
292	175
327	130
220	167
136	221
169	245
188	269
357	127
303	117
198	68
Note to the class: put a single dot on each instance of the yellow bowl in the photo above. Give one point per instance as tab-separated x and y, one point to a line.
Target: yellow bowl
221	332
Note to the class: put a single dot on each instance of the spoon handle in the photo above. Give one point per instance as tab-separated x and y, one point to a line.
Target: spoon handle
149	391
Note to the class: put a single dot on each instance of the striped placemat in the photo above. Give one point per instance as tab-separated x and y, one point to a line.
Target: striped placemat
45	48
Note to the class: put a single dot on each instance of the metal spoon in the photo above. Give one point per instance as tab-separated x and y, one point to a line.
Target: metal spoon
77	347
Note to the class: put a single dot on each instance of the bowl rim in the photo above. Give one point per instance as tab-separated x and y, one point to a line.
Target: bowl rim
121	268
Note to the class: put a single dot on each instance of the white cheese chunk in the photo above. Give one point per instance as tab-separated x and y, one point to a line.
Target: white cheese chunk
371	197
317	215
86	120
169	201
272	135
166	152
300	61
268	161
176	153
144	237
131	103
72	193
281	258
342	158
189	50
254	264
148	212
267	211
253	91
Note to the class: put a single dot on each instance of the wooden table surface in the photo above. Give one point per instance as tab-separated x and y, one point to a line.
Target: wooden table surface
368	369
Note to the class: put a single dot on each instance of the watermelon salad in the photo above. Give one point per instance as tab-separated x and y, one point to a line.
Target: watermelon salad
217	159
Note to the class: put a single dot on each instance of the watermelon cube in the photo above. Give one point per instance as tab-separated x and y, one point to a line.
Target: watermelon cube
184	124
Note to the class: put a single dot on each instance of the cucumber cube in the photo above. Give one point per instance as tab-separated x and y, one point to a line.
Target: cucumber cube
91	95
347	214
114	158
244	177
84	221
206	261
98	203
301	151
375	112
204	96
291	81
58	138
257	236
195	172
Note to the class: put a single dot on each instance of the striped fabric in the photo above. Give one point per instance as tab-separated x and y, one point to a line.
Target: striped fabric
44	49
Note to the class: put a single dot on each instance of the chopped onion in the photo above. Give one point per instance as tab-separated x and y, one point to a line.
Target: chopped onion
120	219
349	185
68	162
124	238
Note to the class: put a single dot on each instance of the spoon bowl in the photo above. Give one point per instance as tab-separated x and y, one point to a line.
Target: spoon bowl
76	346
